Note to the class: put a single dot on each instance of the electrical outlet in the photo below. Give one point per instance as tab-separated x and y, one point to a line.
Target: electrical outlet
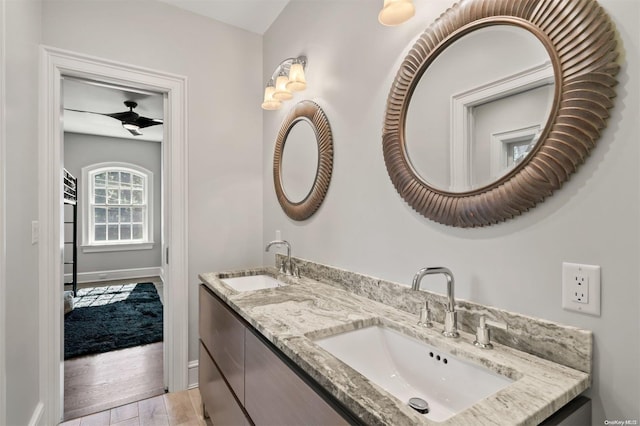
581	288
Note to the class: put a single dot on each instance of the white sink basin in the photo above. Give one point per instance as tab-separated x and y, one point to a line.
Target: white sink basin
252	282
407	368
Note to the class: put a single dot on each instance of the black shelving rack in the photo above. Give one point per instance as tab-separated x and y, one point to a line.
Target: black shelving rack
71	200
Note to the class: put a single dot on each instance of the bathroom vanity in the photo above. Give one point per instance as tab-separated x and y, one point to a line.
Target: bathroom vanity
243	377
264	357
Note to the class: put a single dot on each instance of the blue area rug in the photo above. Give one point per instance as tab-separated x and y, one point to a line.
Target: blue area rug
105	319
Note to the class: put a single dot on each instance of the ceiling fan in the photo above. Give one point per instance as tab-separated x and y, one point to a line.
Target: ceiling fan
131	120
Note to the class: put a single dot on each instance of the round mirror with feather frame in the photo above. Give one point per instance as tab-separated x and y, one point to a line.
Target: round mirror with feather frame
580	40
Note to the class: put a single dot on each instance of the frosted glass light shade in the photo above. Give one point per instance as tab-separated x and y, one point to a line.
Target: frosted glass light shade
297	81
395	12
269	102
282	93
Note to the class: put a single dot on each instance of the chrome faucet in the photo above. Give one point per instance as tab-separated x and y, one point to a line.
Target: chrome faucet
450	320
286	265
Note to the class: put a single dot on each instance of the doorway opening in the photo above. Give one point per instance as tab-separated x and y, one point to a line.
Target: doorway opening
113	304
56	66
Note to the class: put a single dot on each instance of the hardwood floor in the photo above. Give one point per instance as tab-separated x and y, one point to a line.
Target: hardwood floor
104	381
171	409
101	382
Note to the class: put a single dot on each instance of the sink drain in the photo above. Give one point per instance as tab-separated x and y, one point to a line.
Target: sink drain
419	404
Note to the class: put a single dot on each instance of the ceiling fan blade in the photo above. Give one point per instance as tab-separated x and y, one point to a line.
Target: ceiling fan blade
126	116
143	122
88	112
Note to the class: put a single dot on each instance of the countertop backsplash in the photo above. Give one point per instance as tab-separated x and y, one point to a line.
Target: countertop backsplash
569	346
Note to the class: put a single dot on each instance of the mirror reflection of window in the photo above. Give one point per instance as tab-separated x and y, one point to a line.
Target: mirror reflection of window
511	147
516	152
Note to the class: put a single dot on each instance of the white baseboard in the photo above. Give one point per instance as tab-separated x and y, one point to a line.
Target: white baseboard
193	375
117	274
36	417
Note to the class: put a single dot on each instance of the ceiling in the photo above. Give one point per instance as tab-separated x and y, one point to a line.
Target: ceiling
252	15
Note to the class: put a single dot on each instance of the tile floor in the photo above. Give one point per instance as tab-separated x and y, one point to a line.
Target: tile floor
171	409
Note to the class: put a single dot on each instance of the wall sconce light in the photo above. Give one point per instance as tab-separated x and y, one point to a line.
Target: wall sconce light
395	12
287	78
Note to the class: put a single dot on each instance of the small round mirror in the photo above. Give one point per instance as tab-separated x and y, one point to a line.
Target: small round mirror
303	160
299	161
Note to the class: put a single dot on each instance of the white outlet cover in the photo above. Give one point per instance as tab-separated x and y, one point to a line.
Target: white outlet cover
591	275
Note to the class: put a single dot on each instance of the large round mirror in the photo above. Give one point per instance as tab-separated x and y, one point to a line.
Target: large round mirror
528	89
303	160
299	160
464	130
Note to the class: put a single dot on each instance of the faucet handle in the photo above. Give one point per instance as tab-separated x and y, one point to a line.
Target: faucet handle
282	267
425	315
492	323
483	333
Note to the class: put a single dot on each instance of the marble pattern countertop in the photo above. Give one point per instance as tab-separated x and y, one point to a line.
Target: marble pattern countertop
292	316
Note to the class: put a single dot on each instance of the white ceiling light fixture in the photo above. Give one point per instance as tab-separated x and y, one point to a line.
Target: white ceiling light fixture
288	77
134	129
396	12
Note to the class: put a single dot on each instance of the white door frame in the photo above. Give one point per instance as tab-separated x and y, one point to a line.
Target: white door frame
55	63
3	127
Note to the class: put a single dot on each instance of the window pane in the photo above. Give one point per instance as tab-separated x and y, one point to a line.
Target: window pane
100	215
137	180
137	232
100	232
114	215
113	232
125	177
137	214
100	196
125	214
125	232
136	196
114	177
112	196
100	180
125	196
118	207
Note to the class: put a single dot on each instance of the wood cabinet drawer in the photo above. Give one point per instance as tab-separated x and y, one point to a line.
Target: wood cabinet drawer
217	398
223	336
275	395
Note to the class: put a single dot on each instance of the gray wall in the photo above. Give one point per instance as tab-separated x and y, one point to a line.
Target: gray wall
365	226
22	34
84	150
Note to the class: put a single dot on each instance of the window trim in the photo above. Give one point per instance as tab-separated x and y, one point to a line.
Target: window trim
89	246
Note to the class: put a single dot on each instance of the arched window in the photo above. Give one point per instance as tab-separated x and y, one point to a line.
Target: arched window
117	207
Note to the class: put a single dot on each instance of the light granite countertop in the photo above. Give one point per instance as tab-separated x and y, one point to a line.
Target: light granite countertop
292	316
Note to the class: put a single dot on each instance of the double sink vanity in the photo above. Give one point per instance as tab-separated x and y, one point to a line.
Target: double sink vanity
334	347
